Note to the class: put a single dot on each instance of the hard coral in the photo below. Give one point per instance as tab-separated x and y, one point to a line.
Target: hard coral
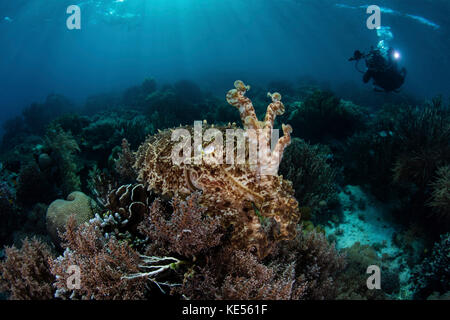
78	205
126	207
247	199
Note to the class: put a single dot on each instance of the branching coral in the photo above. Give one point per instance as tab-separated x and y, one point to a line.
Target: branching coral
316	263
25	273
155	267
187	232
237	275
103	264
302	268
241	193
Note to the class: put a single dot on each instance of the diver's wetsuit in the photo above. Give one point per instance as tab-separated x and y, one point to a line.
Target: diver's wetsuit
384	72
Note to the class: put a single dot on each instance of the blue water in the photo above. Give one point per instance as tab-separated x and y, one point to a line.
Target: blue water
212	42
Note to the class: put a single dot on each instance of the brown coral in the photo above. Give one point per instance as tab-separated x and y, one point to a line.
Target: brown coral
316	265
243	193
25	273
238	275
187	232
304	268
103	264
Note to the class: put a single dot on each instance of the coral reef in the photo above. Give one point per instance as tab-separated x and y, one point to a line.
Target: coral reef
78	205
239	192
147	227
135	95
9	222
398	159
14	133
8	205
106	130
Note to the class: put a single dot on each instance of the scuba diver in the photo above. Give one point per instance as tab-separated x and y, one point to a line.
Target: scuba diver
382	68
